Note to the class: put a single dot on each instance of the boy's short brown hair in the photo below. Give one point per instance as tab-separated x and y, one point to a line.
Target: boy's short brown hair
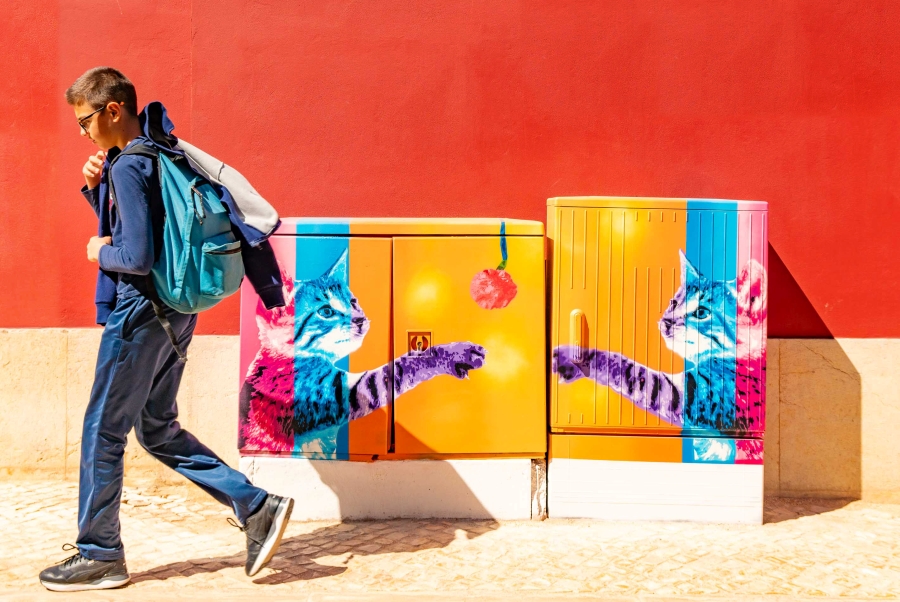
101	85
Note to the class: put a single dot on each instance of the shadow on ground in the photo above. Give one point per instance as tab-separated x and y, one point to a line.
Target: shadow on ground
781	509
296	559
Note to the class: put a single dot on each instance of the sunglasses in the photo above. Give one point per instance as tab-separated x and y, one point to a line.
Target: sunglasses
84	121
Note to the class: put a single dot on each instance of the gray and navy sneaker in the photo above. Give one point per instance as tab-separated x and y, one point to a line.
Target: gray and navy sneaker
78	573
264	529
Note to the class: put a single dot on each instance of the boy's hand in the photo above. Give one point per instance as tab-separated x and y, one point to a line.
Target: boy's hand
93	246
93	168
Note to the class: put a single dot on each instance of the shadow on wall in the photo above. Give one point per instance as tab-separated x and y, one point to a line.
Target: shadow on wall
815	401
791	314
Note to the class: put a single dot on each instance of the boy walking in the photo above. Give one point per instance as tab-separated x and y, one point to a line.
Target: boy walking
138	369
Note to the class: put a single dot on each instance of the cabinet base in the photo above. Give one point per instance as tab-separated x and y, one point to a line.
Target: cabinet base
508	489
628	490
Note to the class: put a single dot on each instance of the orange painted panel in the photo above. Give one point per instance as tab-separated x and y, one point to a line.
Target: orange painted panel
617	267
501	406
370	281
410	226
616	447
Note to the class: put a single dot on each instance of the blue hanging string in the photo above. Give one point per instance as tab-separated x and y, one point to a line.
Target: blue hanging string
503	252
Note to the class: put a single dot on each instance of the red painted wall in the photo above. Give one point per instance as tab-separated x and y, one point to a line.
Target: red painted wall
482	109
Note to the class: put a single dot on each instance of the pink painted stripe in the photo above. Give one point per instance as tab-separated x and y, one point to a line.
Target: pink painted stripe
286	254
751	327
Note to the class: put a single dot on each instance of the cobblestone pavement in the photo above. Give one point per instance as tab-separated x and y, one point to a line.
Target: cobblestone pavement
179	546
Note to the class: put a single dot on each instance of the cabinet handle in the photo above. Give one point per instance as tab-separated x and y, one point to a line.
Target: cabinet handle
576	332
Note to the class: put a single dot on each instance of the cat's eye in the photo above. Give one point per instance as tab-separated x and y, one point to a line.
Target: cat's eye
326	312
702	313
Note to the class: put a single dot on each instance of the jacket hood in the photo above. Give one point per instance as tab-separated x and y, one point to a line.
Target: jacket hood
157	126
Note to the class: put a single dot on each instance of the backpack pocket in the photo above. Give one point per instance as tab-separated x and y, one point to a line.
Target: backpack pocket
221	269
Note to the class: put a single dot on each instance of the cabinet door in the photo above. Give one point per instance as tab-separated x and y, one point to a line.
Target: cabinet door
303	365
658	321
471	362
614	273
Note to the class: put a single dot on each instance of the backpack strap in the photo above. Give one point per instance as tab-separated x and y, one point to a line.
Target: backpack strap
161	316
146	150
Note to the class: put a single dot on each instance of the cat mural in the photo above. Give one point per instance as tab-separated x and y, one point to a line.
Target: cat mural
296	399
718	327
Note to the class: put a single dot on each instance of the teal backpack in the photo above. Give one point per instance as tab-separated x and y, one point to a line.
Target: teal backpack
200	261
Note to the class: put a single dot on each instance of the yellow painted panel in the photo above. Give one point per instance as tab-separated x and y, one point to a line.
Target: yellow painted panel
501	406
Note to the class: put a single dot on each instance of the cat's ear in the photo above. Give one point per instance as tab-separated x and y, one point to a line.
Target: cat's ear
287	284
687	269
288	290
285	277
340	268
752	291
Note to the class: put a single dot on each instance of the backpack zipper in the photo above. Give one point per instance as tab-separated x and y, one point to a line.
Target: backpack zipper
194	204
226	252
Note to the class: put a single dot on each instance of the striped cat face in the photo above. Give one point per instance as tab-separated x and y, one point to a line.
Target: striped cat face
700	317
329	321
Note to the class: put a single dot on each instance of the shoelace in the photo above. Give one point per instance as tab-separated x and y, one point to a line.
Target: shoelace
67	547
235	524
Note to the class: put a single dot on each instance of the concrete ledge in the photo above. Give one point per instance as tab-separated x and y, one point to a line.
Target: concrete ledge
334	490
46	375
831	409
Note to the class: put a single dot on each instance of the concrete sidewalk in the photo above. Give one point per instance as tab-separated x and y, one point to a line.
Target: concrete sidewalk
180	547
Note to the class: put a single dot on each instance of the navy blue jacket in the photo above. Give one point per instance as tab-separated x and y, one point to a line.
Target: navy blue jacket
137	232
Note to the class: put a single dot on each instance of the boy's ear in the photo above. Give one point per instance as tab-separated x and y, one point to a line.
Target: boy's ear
115	110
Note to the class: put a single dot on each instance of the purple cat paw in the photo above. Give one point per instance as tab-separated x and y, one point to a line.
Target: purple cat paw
462	357
565	364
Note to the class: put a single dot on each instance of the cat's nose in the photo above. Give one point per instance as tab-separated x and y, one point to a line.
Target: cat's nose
359	321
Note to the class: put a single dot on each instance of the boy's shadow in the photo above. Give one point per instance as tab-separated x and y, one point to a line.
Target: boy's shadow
296	557
436	485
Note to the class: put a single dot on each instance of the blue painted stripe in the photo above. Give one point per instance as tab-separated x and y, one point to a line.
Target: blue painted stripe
315	256
711	450
687	450
326	226
712	238
713	204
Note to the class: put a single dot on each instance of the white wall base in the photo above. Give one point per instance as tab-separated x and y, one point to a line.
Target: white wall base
334	490
614	490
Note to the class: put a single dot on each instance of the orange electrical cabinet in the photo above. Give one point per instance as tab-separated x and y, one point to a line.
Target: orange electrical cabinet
657	358
658	317
401	338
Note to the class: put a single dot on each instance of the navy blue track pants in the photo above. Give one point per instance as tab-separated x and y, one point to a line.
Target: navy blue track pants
135	385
